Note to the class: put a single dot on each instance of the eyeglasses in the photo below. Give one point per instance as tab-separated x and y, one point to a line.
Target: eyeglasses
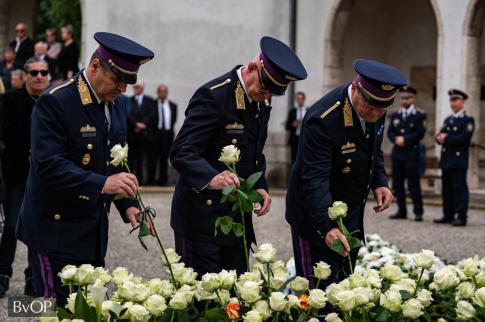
35	72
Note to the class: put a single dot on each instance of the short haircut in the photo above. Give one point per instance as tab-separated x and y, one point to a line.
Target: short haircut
51	30
301	93
69	29
104	65
18	73
33	60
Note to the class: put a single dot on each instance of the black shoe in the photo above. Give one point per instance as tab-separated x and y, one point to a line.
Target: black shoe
29	288
443	220
4	285
459	223
398	216
418	218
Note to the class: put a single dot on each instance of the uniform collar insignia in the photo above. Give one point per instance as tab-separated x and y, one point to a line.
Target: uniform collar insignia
348	118
347	146
240	103
83	90
234	126
87	128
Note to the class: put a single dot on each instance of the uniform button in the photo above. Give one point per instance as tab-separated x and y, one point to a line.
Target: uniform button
234	141
107	163
256	162
444	149
402	131
57	217
349	161
108	142
372	158
209	202
457	154
371	171
367	136
89	146
368	186
363	201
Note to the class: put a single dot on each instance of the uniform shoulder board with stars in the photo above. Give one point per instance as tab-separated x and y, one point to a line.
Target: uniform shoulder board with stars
58	87
83	90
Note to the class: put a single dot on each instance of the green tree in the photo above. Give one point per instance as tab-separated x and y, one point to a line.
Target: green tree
58	13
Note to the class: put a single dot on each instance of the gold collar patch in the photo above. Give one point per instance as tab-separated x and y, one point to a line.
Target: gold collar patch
240	104
348	118
83	90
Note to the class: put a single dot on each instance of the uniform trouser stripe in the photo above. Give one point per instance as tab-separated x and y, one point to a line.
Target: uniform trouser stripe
306	261
47	276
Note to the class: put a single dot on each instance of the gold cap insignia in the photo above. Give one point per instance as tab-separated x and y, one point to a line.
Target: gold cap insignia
83	90
240	104
387	87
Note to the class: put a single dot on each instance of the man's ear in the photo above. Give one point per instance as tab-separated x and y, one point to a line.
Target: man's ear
252	66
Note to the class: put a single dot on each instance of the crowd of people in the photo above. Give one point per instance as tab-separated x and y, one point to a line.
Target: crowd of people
60	182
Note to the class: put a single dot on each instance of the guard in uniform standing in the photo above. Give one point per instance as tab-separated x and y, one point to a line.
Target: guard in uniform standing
454	138
406	130
231	109
340	159
64	215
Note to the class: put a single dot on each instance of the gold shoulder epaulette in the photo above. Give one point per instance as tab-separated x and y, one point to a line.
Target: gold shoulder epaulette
55	89
227	81
334	106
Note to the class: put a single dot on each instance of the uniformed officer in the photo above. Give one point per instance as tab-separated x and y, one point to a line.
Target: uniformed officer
64	215
455	137
231	109
406	130
340	159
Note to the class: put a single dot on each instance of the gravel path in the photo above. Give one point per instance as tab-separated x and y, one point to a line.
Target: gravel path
451	243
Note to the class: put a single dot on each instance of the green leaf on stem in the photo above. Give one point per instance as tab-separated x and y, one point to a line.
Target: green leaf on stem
142	243
354	242
338	246
235	206
247	206
118	197
227	190
215	314
242	194
383	315
254	196
251	181
226	223
405	295
238	229
62	313
82	309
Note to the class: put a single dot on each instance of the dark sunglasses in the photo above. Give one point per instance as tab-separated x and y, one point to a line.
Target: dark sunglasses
35	72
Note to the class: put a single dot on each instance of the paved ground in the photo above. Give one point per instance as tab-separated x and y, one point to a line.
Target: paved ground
124	250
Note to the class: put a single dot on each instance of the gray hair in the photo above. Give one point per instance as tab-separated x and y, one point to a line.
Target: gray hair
17	72
33	60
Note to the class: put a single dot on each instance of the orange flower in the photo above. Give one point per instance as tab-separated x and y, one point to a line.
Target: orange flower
303	301
233	311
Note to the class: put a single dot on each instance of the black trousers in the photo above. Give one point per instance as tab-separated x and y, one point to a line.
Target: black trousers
14	193
455	194
294	148
158	156
402	170
309	252
210	256
137	156
45	277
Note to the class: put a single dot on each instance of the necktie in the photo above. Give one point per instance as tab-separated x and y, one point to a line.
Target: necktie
163	116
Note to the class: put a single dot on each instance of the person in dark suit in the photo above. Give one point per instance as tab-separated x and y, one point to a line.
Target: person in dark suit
22	45
64	215
231	109
16	110
68	58
293	123
139	120
163	135
7	66
340	159
41	52
454	137
406	129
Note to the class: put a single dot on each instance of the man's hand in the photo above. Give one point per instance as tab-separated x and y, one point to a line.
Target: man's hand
399	141
335	234
383	197
295	123
223	180
266	203
141	125
441	138
131	214
122	183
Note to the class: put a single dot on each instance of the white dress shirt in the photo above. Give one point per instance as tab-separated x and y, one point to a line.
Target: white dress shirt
164	115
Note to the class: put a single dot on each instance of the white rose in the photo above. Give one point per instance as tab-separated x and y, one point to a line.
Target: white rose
224	296
357	280
127	290
108	306
313	320
292	301
480	278
277	301
442	320
446	278
126	306
412	309
332	317
479	297
425	259
405	284
67	273
471	266
201	294
317	298
362	295
227	278
141	293
155	285
278	267
249	291
346	300
85	274
278	280
166	289
187	291
263	309
70	302
338	209
299	284
229	155
211	282
373	278
333	291
119	154
391	300
252	316
392	272
102	276
464	311
178	302
250	276
322	270
184	275
120	275
266	253
425	297
155	304
138	313
172	256
465	290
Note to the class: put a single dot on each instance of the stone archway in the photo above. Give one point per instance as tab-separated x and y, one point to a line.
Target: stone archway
405	34
473	79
